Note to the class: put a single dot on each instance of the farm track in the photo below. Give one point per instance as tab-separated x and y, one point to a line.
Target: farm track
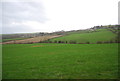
32	40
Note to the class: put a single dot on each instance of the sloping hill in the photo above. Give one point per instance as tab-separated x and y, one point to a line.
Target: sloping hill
100	35
31	40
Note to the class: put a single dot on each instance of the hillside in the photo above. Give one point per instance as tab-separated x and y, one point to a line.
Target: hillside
62	55
96	34
100	35
30	40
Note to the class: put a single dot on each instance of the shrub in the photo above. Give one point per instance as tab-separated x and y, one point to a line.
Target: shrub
66	42
87	42
99	42
59	41
55	41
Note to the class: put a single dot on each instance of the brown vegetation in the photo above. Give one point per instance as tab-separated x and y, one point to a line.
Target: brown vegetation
32	40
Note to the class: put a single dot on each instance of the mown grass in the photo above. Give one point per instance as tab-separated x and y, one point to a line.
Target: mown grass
60	61
101	35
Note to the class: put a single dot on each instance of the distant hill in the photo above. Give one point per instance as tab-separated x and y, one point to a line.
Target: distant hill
100	35
96	34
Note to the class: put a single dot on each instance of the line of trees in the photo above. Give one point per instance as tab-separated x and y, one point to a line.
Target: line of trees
75	42
72	42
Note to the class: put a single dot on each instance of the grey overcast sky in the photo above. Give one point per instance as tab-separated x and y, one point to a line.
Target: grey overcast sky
22	16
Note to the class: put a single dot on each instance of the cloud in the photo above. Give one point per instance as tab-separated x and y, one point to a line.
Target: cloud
21	12
55	15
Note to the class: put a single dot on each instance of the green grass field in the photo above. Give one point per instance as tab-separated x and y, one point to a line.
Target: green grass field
60	61
92	37
5	40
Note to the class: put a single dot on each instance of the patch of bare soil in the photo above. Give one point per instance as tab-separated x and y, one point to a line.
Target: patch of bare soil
32	40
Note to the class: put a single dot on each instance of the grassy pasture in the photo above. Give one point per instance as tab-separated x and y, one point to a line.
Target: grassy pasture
60	61
5	40
92	37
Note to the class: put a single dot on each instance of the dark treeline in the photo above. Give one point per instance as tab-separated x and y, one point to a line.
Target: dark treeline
74	42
